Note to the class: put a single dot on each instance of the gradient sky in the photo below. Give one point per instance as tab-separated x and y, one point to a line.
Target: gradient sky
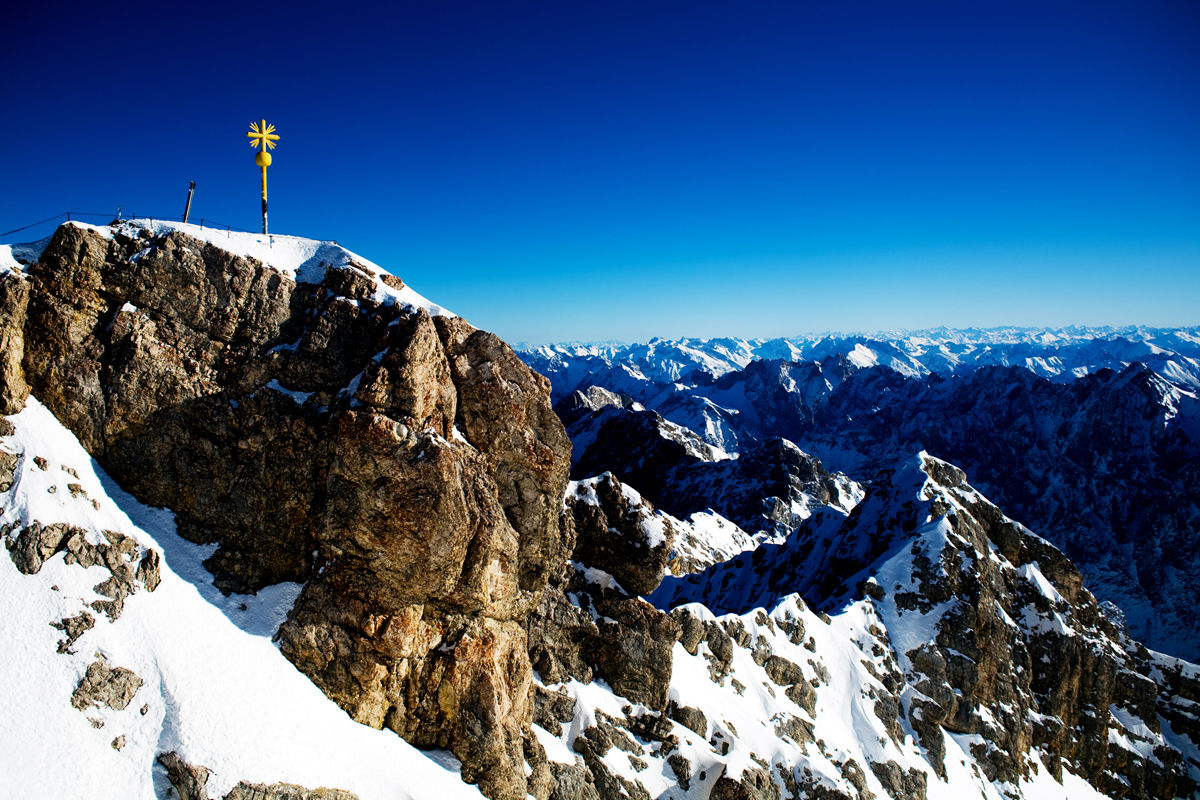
573	170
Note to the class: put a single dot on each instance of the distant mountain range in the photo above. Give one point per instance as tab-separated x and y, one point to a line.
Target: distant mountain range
1061	353
1091	436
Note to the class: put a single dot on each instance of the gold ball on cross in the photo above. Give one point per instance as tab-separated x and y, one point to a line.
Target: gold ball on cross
262	158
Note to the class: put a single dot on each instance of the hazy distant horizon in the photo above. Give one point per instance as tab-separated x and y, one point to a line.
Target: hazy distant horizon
878	335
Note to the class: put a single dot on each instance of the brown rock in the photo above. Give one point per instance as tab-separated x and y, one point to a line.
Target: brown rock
73	627
36	543
8	468
900	784
552	709
754	784
688	717
285	791
506	413
573	782
104	685
14	299
191	783
560	638
633	651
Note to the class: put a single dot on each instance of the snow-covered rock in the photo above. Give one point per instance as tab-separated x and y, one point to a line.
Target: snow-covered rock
925	646
1060	353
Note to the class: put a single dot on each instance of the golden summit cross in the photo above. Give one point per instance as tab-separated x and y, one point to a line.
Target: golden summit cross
263	138
263	134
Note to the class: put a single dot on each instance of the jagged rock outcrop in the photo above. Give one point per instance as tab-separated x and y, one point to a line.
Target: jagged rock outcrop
638	446
580	404
1067	674
617	532
404	465
590	622
994	637
590	625
770	488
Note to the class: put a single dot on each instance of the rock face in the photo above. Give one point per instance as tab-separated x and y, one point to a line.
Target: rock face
404	465
589	627
14	299
616	531
770	488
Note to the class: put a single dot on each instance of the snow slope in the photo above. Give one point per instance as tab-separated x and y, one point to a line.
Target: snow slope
215	690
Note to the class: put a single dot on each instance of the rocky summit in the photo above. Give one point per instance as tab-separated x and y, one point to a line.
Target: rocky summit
272	518
319	428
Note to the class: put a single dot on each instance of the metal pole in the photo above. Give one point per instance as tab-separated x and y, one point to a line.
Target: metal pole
264	198
188	208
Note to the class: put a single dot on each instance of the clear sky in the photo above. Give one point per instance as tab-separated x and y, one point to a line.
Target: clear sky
577	170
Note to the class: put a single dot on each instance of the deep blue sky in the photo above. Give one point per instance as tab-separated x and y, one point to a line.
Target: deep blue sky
574	170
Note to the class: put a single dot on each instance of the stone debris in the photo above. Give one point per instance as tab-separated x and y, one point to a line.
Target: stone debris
105	685
191	783
131	567
73	627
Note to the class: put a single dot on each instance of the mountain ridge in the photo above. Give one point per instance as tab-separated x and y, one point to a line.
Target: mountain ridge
1101	463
